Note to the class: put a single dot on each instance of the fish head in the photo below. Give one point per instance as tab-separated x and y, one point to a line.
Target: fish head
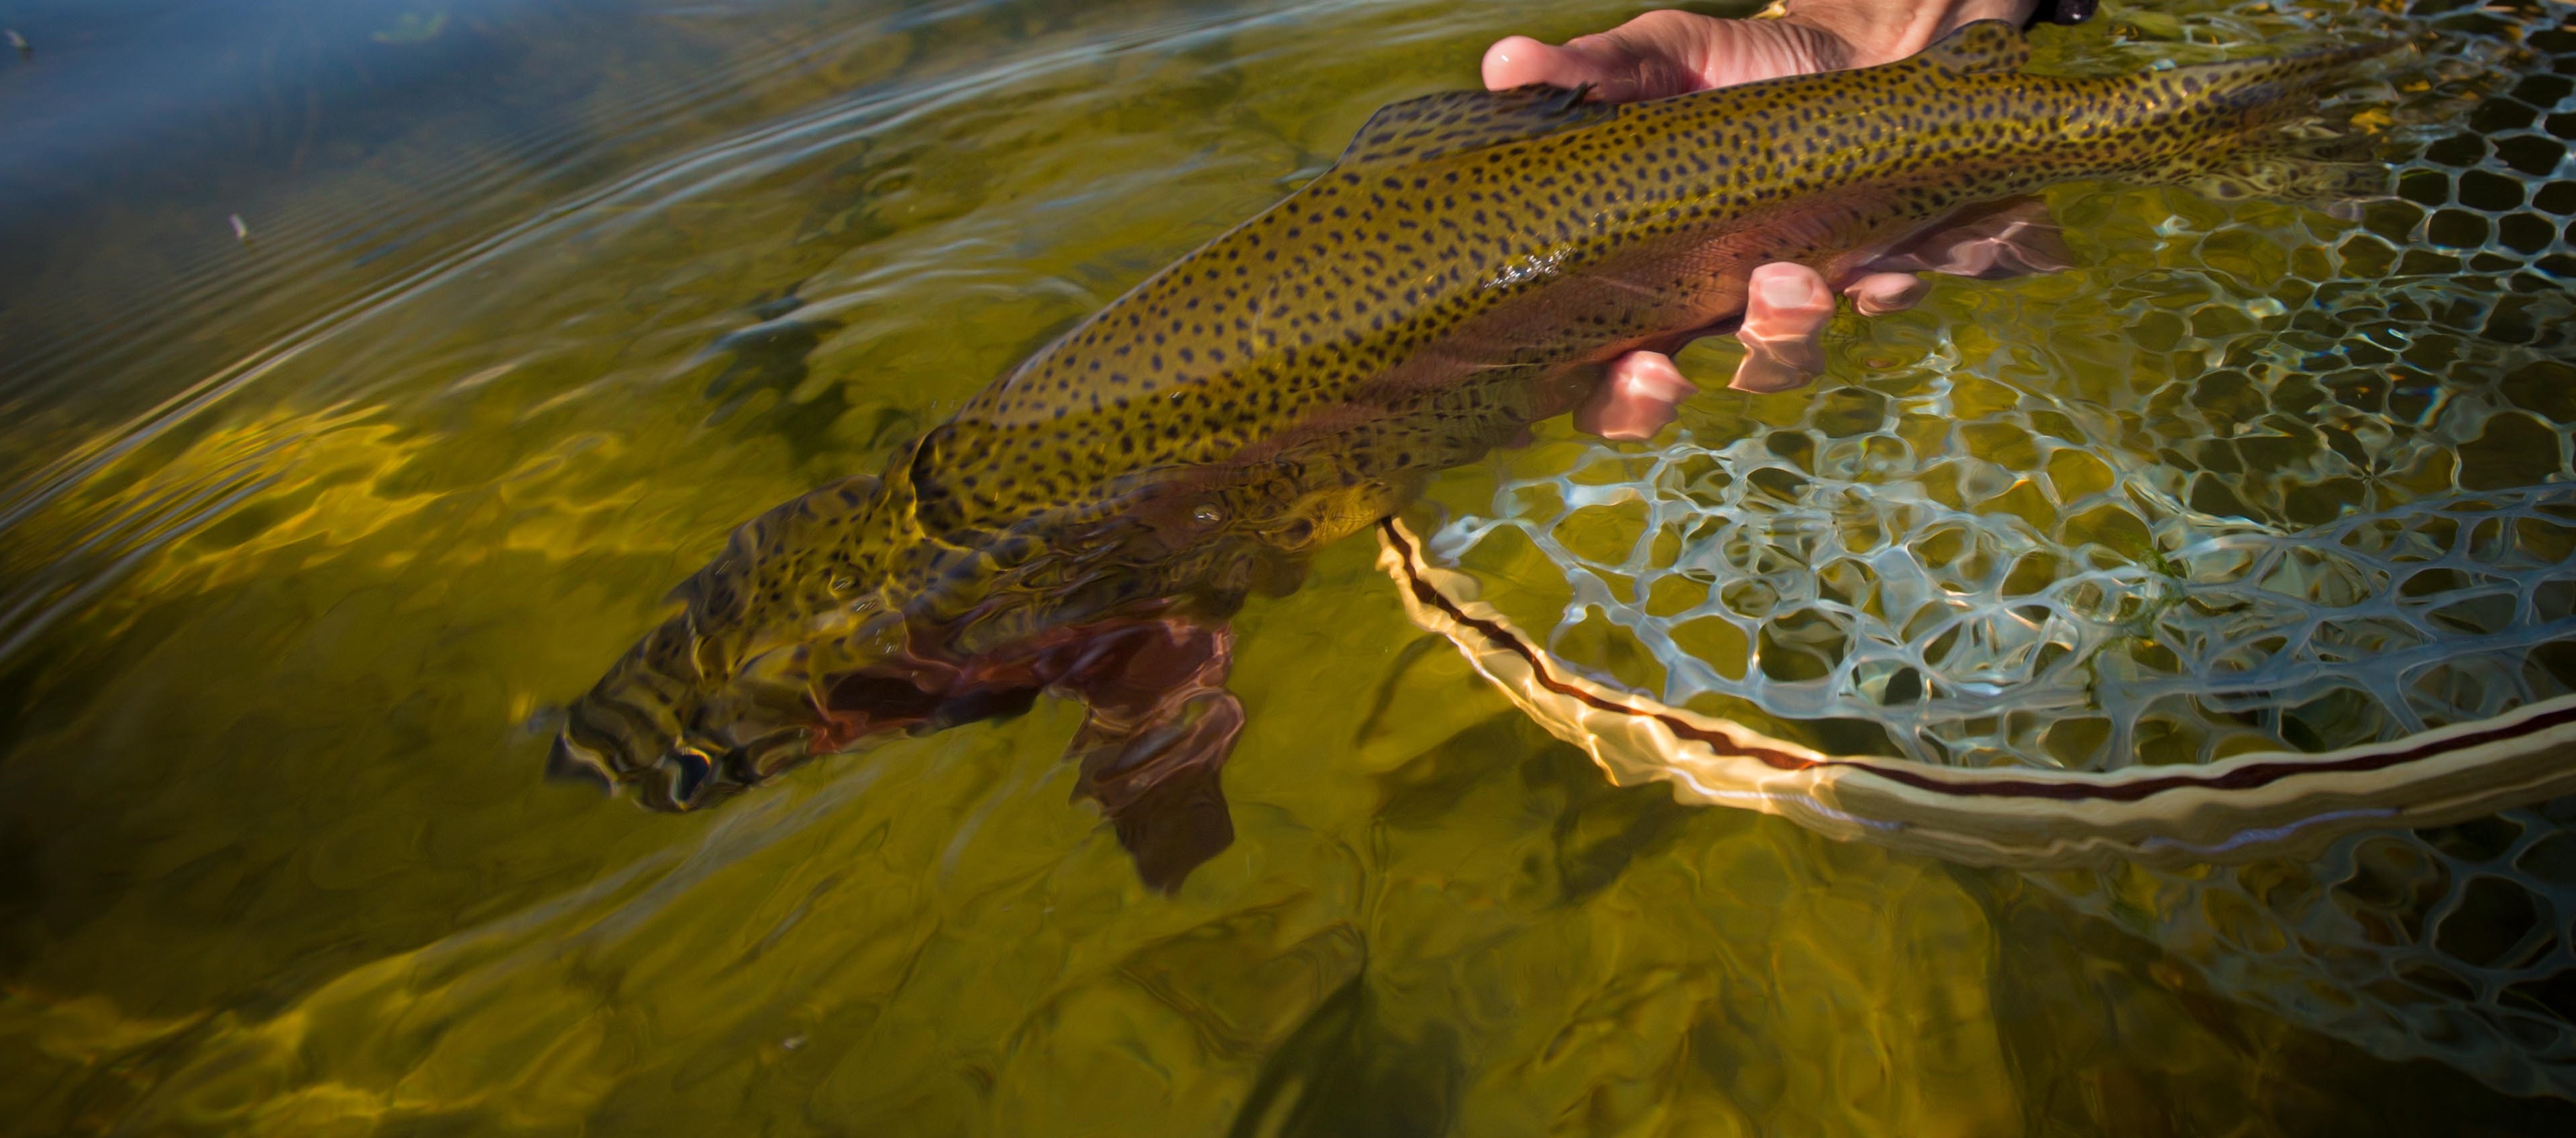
789	645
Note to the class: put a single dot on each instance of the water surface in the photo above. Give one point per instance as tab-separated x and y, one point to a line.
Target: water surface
307	531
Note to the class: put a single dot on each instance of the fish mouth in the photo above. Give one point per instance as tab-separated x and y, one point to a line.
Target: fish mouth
687	775
675	777
653	724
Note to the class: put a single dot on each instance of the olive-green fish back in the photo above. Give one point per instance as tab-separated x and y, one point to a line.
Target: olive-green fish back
1454	207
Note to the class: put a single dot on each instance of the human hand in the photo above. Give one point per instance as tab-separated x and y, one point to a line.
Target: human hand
1661	54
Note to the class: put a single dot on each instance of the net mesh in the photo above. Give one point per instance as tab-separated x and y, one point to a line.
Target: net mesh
2450	944
2256	478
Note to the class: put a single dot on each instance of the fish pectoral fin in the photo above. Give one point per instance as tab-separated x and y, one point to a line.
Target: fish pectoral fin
1417	130
1160	726
1160	787
1979	45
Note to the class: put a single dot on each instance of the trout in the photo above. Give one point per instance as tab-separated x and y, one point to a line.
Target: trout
1086	524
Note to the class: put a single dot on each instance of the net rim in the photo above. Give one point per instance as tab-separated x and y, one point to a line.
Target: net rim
2241	808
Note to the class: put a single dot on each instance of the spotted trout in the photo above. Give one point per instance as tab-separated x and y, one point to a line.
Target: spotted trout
1087	523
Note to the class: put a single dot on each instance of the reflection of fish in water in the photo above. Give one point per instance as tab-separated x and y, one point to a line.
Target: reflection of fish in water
1085	525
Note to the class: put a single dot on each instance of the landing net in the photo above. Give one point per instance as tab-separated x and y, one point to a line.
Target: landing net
2227	584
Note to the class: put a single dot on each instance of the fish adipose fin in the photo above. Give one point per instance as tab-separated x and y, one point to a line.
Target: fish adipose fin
1980	45
1417	130
1160	727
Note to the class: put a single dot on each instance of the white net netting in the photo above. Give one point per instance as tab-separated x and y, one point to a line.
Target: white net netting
2255	478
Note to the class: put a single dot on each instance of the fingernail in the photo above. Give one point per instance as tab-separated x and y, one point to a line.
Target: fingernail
1881	293
1787	290
1512	60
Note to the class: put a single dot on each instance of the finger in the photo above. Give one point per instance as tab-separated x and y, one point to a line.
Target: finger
2010	238
1636	399
1617	69
1881	293
1786	308
1518	61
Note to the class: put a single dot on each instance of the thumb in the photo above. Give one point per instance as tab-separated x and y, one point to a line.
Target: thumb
1661	54
1518	61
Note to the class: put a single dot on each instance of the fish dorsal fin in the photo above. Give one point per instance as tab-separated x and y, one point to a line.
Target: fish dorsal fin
1416	130
1980	45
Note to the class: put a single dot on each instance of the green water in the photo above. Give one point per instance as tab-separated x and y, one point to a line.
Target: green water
307	533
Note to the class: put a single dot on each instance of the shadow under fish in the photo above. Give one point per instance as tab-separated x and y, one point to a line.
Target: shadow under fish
1085	525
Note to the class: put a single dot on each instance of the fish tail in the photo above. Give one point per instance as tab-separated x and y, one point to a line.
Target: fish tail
2263	92
2261	128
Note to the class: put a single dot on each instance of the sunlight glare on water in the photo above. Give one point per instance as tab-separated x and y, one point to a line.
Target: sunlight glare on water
309	532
